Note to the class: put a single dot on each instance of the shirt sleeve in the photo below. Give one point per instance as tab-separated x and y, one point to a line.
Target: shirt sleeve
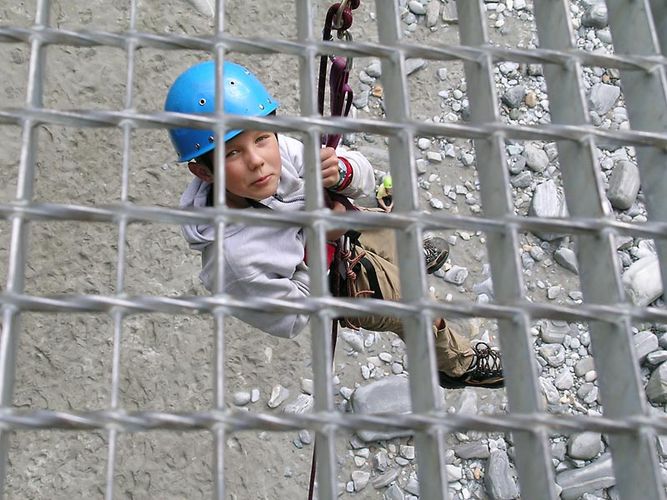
263	284
363	179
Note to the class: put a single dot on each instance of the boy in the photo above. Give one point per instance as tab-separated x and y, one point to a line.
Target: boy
265	171
384	197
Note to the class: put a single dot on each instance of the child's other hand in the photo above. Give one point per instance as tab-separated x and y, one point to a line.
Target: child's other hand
334	234
329	161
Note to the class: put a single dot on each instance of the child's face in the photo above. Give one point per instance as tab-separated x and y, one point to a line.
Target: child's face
253	164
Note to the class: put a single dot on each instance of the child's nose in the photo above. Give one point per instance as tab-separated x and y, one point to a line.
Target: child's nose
255	160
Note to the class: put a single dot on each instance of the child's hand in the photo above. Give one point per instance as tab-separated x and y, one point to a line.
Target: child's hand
329	161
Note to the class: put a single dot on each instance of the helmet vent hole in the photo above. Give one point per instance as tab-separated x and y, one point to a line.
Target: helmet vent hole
211	139
197	147
232	82
202	101
261	106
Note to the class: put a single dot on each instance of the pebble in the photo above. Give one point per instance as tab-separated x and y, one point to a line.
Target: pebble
595	16
584	445
432	13
413	65
656	389
360	479
583	366
554	331
513	98
279	395
241	398
603	97
567	259
645	343
394	492
423	143
416	7
449	12
456	275
385	479
642	281
302	404
500	483
564	380
547	202
596	476
623	185
536	158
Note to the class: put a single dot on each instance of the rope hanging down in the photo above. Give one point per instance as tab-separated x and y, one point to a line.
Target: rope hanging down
339	19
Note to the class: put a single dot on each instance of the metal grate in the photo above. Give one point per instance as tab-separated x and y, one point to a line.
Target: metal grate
640	40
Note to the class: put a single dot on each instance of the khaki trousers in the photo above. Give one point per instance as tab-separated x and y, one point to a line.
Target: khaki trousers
453	351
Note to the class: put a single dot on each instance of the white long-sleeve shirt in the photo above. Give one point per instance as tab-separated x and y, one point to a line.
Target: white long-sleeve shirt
264	261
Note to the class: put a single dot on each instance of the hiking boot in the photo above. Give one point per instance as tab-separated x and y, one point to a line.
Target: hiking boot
436	251
486	370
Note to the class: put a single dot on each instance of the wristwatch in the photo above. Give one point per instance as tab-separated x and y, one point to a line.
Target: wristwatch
342	173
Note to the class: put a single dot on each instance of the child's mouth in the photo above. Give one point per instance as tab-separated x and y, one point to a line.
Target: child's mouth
262	181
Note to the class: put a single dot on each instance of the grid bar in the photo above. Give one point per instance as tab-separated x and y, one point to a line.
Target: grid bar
533	452
20	230
320	324
659	12
220	432
634	457
419	339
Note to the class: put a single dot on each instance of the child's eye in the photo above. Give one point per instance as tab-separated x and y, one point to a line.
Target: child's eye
263	137
231	153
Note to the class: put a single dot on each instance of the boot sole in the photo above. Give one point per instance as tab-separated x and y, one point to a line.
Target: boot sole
448	382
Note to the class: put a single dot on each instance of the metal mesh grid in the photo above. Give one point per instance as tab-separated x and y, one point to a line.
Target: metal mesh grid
639	41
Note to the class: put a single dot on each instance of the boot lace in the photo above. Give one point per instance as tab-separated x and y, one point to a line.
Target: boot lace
487	362
430	251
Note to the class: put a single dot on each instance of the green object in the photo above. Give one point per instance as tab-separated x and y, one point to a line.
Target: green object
386	182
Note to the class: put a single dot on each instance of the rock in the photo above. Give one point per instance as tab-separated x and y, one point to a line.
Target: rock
474	449
522	180
645	343
656	357
394	492
642	281
583	366
553	292
360	100
360	479
547	202
449	12
416	7
432	13
595	16
278	396
454	473
352	338
302	404
468	403
412	65
603	97
385	479
456	275
500	484
531	99
554	331
536	158
564	380
623	185
241	398
656	389
553	353
513	98
390	394
593	477
567	259
374	69
549	390
585	445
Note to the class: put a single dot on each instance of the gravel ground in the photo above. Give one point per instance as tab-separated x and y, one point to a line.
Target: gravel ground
64	360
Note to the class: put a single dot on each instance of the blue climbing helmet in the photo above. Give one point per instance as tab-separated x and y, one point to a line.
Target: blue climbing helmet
193	92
